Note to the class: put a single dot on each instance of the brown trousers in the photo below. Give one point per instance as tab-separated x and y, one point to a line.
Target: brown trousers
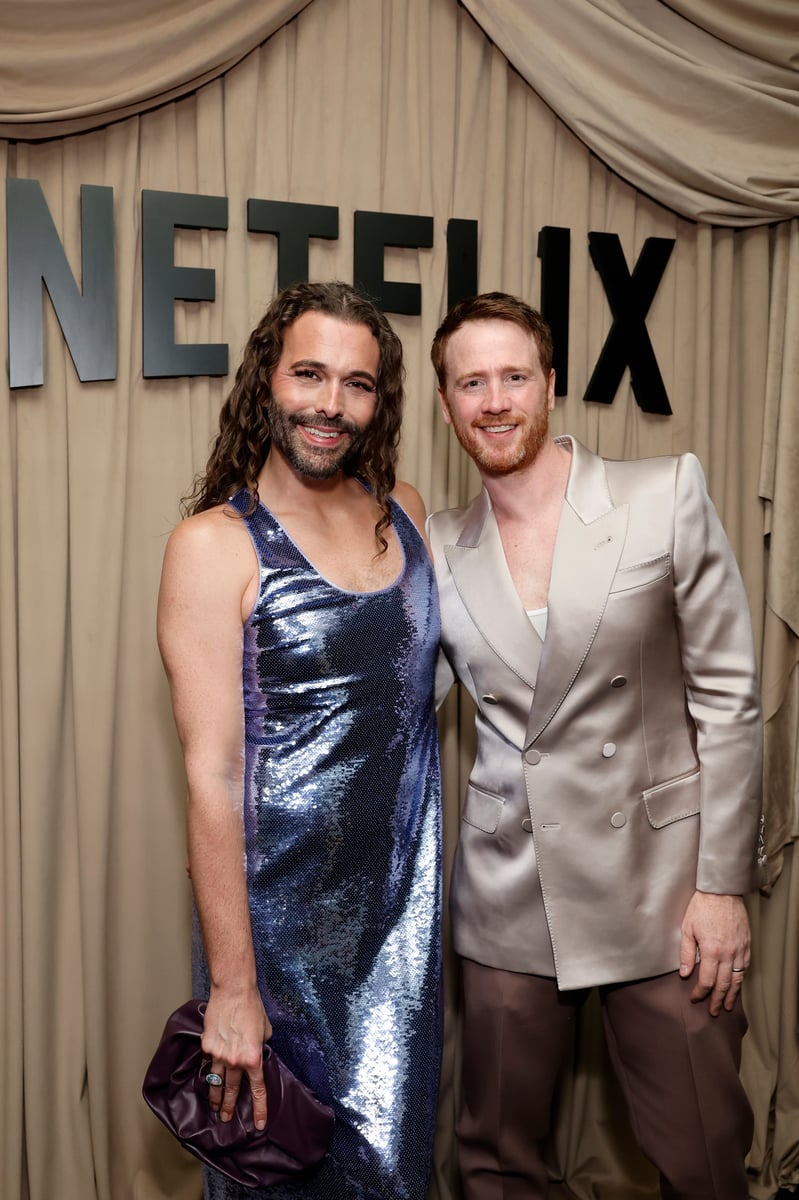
677	1066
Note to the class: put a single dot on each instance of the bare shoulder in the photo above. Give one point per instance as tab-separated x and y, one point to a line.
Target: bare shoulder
216	537
210	567
409	499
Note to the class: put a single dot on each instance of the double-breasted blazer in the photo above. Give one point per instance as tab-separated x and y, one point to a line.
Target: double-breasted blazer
618	763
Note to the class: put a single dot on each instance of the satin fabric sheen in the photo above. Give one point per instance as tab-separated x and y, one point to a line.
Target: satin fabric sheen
342	818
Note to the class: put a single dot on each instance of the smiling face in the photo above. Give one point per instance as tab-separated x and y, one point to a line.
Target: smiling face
323	393
496	395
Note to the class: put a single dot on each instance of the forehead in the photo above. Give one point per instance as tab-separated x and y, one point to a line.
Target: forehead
478	345
323	338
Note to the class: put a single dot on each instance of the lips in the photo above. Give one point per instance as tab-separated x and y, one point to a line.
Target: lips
503	428
322	432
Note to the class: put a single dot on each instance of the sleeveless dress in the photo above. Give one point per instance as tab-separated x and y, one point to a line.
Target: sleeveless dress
342	820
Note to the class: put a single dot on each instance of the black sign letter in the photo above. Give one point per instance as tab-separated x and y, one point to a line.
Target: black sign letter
35	254
628	342
292	225
373	232
461	260
163	283
554	250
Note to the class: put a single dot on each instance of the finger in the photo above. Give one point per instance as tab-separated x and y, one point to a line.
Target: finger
720	991
230	1092
736	983
217	1069
706	979
688	948
258	1092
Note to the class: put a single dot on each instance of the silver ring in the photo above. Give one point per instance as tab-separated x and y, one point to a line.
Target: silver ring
214	1080
739	970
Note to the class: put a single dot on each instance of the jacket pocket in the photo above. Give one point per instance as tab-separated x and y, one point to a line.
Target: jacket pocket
640	574
482	809
673	800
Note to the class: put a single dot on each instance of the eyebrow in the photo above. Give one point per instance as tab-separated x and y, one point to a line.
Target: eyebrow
479	373
355	373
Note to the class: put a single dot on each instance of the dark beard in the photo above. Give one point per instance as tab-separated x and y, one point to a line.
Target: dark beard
316	463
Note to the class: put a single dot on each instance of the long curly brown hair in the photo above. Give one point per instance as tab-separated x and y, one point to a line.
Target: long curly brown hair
242	444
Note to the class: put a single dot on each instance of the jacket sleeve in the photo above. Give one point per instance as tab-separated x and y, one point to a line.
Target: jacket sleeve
719	667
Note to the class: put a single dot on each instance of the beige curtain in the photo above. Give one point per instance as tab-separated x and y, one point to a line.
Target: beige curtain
696	103
406	107
69	65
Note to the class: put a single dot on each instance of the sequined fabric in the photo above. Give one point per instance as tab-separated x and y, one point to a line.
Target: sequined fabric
342	804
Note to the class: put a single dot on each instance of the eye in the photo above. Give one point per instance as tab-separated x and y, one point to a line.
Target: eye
471	384
306	373
361	385
517	377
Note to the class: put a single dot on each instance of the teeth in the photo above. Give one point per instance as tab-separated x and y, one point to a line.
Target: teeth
498	428
323	433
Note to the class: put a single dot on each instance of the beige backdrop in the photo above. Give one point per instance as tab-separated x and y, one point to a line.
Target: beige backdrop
403	106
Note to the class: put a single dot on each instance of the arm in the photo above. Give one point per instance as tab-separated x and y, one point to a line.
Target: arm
712	614
207	574
409	499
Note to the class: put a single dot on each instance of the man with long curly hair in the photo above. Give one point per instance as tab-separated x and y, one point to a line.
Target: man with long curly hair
298	624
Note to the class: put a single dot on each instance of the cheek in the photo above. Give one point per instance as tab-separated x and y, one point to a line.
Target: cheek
361	410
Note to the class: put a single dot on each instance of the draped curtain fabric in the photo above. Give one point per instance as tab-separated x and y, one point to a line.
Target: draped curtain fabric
640	119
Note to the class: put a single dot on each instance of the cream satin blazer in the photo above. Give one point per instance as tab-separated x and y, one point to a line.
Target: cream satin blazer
618	763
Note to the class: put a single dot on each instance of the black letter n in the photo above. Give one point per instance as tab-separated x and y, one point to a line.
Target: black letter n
36	255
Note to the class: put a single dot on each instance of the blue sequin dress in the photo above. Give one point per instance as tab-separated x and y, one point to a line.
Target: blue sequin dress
342	819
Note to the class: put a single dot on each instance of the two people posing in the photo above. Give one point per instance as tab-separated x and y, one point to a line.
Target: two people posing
595	613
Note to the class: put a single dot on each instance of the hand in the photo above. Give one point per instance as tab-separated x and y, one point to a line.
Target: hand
236	1027
718	927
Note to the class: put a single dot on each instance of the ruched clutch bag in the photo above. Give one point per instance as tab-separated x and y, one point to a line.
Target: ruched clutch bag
298	1126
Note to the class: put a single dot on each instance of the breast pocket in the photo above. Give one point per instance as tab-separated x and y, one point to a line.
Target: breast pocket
641	574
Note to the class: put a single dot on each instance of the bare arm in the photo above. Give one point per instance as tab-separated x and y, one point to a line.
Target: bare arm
413	504
208	570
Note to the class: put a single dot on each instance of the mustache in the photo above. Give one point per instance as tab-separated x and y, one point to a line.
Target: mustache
339	424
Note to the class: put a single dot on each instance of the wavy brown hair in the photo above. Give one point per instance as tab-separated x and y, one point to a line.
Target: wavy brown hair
492	306
242	444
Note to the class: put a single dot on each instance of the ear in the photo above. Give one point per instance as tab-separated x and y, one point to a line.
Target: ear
551	391
442	396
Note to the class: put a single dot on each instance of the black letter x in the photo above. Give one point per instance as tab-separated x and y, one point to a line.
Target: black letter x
628	341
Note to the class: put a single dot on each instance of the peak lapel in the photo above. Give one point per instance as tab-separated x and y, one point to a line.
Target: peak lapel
590	539
484	583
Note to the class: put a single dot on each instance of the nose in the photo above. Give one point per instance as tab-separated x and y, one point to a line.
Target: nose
495	398
330	399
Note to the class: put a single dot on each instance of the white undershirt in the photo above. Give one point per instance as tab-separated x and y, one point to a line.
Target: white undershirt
538	620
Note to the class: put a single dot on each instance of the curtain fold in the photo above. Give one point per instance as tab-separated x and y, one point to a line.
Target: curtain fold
69	65
700	123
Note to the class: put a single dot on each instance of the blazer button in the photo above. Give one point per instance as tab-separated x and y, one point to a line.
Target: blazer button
532	757
609	749
618	820
490	700
618	681
527	825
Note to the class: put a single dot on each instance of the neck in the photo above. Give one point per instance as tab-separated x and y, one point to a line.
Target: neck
282	485
542	480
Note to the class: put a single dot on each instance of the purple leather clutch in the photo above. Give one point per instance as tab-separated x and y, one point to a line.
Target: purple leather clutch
298	1127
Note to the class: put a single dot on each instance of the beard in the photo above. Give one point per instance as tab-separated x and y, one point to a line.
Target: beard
501	460
317	462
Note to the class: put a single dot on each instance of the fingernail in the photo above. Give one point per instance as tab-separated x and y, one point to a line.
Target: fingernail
260	1124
